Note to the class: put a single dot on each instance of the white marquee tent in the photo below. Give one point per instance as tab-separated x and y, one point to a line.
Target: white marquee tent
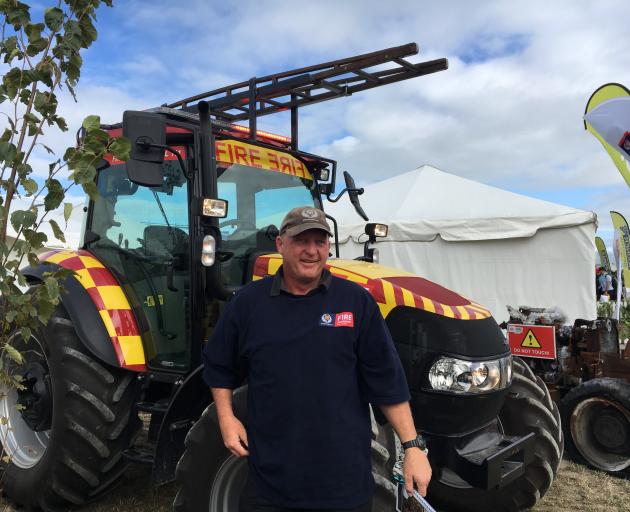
493	246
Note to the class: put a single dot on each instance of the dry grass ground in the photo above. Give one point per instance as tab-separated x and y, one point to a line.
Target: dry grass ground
576	489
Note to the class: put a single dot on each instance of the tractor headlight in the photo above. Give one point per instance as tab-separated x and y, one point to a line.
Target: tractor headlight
459	376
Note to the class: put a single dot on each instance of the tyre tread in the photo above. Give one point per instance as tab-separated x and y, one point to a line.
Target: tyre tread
82	458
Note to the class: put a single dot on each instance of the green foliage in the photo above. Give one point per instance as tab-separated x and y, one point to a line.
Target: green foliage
40	57
607	310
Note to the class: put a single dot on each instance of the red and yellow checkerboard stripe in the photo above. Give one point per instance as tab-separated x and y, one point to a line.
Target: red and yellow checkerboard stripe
386	285
111	302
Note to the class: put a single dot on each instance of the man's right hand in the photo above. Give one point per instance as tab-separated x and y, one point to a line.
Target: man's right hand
234	436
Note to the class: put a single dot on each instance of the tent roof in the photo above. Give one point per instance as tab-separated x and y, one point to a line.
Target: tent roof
427	202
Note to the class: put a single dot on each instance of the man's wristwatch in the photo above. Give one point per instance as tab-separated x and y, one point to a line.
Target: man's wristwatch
418	442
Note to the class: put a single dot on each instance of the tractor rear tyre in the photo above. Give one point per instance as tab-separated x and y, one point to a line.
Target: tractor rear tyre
527	408
596	422
211	479
65	442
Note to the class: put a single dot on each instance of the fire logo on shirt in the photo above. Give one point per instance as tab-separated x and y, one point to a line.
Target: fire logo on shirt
345	319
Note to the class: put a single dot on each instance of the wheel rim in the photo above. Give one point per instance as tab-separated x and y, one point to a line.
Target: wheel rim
23	445
600	429
228	484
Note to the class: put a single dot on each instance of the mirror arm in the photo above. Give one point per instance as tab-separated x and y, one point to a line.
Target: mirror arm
357	190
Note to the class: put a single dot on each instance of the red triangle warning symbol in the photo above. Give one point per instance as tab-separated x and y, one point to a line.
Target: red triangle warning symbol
530	340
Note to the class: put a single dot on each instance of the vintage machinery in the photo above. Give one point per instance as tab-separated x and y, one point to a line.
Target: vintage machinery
589	375
174	232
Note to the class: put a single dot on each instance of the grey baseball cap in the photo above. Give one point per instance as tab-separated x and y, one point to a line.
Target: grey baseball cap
303	218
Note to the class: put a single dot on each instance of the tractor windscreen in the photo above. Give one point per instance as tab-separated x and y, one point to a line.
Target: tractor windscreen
258	201
259	194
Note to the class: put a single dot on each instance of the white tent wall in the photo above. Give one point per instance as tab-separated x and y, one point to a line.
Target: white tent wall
493	246
539	271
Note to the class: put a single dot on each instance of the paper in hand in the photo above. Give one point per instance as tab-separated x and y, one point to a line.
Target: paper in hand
415	503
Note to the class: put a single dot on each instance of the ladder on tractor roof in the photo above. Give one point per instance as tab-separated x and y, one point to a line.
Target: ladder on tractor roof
291	90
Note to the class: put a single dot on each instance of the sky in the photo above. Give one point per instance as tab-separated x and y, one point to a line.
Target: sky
507	112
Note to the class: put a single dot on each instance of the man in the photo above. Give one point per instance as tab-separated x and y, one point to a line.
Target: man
315	351
599	286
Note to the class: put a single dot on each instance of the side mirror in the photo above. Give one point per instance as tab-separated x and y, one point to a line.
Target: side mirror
147	133
354	194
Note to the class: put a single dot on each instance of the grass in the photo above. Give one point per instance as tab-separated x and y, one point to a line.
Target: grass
576	489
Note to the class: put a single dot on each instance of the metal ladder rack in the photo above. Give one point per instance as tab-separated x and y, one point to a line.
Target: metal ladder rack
290	90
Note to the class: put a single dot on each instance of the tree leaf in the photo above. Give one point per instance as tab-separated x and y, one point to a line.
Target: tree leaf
13	82
60	122
10	315
45	310
67	211
26	333
84	170
21	219
90	189
35	239
57	231
92	123
45	104
52	288
17	14
53	17
30	186
14	353
8	153
120	148
55	195
32	258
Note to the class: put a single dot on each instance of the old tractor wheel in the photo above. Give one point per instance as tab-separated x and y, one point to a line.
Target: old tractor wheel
66	430
211	479
527	408
596	420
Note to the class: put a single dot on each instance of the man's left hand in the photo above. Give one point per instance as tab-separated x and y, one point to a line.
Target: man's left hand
416	471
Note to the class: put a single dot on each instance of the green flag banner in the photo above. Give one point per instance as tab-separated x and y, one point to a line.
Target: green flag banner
604	261
606	117
621	228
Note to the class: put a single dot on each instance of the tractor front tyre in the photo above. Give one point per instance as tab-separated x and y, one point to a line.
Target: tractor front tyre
527	408
596	422
211	479
65	431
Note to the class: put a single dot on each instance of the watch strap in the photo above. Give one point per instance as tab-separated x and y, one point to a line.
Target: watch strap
418	442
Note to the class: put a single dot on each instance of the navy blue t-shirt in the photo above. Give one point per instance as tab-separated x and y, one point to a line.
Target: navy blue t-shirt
313	363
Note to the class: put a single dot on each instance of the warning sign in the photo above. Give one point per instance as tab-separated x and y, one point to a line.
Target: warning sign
532	340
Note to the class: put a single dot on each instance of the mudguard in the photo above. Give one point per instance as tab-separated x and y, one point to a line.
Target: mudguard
97	306
189	402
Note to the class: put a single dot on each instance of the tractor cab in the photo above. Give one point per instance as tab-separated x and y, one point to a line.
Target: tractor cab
142	232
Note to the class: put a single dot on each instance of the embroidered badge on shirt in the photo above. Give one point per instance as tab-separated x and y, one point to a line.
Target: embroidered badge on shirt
345	319
326	320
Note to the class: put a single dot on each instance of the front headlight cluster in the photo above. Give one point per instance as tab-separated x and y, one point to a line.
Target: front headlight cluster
470	377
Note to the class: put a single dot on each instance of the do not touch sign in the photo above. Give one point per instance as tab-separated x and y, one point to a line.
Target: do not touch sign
532	340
